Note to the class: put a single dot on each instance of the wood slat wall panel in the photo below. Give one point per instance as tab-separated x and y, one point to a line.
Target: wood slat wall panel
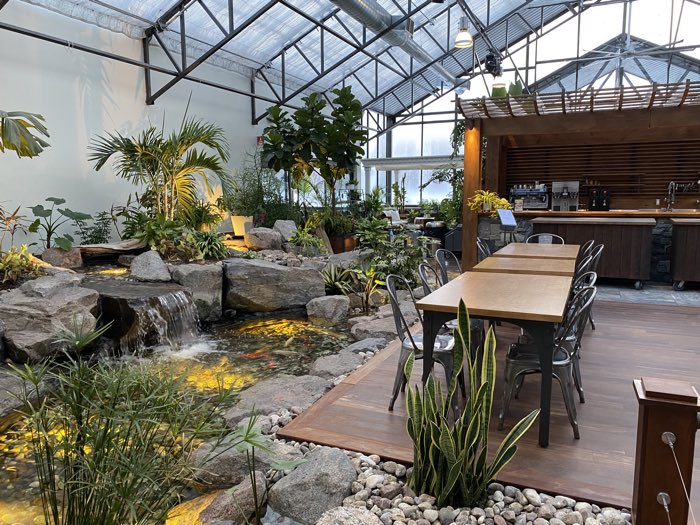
633	170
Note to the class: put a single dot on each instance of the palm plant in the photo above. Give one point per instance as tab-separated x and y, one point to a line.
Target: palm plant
168	166
19	132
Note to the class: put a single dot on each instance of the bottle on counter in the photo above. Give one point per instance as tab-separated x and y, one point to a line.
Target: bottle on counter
605	201
593	201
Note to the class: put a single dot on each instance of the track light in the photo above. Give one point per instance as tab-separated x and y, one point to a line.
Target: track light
464	37
492	64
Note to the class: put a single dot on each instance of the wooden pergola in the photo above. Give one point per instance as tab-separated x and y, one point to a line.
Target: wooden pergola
653	113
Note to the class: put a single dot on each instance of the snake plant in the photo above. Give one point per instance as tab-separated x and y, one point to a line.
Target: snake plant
450	461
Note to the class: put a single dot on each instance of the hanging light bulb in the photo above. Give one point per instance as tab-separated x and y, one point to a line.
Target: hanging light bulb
499	83
464	37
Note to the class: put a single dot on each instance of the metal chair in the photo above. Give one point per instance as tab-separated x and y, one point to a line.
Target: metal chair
442	351
544	238
445	258
483	249
596	254
582	281
523	359
585	250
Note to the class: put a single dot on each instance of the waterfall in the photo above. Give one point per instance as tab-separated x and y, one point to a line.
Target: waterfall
170	319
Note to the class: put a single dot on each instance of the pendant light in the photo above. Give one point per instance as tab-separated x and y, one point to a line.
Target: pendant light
464	37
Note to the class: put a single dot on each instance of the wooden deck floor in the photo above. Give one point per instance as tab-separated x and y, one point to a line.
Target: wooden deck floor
630	341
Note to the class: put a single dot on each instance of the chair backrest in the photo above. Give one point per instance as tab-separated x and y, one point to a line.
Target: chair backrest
575	319
582	267
429	278
402	326
596	254
585	250
483	249
584	280
445	258
545	238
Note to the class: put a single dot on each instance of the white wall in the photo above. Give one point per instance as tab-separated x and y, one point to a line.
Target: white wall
82	95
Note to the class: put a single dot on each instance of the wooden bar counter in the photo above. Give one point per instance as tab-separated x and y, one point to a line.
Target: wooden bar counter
627	240
685	251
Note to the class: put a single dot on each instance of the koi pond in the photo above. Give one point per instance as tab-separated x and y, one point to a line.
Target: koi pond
236	354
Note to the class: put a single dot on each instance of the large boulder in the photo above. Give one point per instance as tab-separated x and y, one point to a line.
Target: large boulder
205	282
364	345
263	239
150	267
146	314
382	328
335	365
349	259
276	393
285	228
223	466
62	258
321	483
261	286
235	506
36	312
329	310
348	516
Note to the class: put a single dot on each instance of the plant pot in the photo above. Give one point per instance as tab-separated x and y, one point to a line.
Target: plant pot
343	243
241	224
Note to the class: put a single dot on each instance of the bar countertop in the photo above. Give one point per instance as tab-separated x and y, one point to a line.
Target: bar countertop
654	214
610	221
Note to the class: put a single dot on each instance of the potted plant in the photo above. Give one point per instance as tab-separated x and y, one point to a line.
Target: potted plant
339	228
485	201
399	192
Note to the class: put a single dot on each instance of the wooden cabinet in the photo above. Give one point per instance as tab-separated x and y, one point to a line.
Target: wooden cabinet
627	253
685	251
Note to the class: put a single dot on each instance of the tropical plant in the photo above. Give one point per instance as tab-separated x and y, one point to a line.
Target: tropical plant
399	191
485	200
81	334
17	264
311	142
337	224
98	232
202	216
113	442
49	224
11	223
151	230
372	232
210	245
338	280
183	248
169	166
19	132
450	461
365	283
371	207
395	254
307	241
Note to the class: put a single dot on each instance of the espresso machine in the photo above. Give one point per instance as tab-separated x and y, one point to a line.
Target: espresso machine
565	195
533	196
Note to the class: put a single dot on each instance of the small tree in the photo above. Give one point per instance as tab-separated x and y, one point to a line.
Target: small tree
309	142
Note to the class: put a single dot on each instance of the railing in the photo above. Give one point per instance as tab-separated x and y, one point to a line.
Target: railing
668	421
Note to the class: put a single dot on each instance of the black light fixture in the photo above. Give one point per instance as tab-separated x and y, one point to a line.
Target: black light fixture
492	63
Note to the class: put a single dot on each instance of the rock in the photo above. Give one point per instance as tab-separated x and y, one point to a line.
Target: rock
225	465
125	260
499	520
326	248
285	228
329	310
390	490
383	328
261	286
63	259
205	283
34	313
335	365
532	497
349	259
263	239
235	505
447	515
138	310
366	345
276	393
431	515
314	487
546	511
313	264
348	516
150	267
612	516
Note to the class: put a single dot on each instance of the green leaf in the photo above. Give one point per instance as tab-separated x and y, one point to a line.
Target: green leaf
65	242
34	227
75	215
40	211
56	200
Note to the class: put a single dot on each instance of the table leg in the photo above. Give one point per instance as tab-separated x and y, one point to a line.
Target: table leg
543	334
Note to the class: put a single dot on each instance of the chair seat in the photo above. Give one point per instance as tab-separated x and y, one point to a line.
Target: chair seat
443	343
474	324
529	353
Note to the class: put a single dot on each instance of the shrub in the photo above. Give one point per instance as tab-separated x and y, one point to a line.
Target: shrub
210	245
450	461
113	441
17	264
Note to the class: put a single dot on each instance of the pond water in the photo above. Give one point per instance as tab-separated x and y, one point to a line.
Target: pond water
237	354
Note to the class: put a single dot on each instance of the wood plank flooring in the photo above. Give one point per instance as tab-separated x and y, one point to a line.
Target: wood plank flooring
630	341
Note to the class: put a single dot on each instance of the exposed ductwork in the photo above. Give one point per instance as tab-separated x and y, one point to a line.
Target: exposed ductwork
377	19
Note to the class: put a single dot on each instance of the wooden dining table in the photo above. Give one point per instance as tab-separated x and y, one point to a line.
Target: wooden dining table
539	251
527	265
536	303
